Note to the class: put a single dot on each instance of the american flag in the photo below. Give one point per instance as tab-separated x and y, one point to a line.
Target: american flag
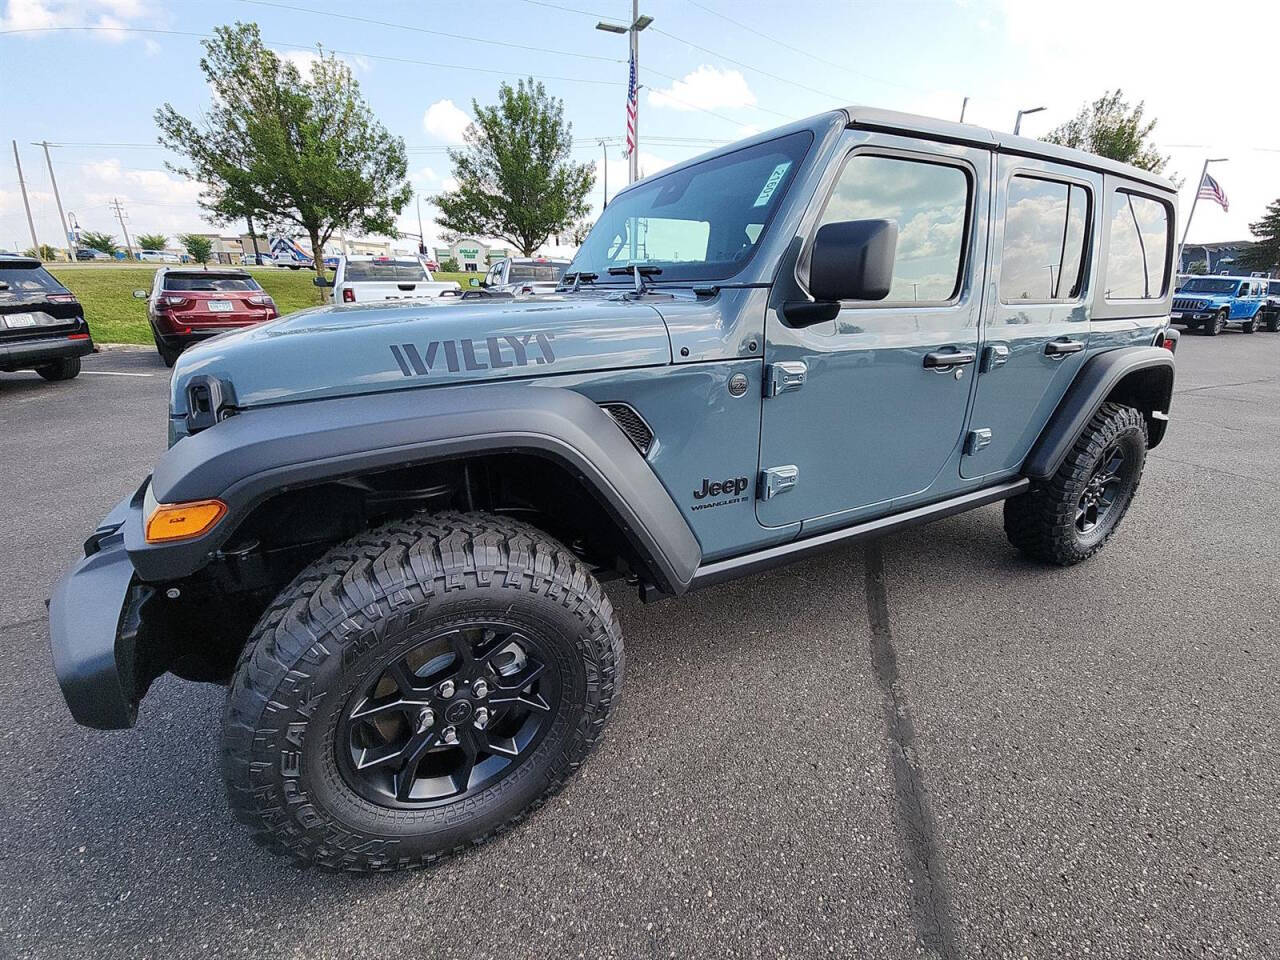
632	104
1211	190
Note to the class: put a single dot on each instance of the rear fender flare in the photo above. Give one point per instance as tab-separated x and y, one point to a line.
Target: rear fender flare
1139	376
249	457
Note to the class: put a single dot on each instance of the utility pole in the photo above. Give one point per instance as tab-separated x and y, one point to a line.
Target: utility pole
604	148
25	202
422	237
963	107
253	238
71	241
118	207
638	23
1195	198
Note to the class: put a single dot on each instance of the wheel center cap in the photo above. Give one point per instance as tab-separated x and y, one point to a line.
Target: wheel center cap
458	712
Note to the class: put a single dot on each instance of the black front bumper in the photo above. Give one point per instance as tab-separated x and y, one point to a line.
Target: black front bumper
26	354
94	621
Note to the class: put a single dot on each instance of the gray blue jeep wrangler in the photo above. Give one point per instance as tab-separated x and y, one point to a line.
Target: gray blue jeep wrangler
385	527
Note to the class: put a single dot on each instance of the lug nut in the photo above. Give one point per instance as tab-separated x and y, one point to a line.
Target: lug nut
447	688
425	719
480	688
450	735
482	718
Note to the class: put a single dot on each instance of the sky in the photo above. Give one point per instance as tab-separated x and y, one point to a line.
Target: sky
711	71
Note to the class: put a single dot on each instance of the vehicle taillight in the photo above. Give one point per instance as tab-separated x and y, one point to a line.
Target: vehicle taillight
262	300
173	301
348	295
1169	343
526	289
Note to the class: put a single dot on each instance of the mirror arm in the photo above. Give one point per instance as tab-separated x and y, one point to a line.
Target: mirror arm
806	313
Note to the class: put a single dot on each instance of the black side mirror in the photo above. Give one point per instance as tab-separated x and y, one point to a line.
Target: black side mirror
321	282
851	260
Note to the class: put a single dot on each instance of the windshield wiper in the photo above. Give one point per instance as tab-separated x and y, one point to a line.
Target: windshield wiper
638	271
579	278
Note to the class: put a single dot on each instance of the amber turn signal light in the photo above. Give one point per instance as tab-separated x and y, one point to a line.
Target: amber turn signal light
181	521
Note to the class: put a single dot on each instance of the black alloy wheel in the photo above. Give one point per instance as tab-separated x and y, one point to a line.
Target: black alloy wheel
450	717
1102	490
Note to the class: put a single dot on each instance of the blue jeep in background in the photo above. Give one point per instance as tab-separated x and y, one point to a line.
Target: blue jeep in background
1210	303
384	526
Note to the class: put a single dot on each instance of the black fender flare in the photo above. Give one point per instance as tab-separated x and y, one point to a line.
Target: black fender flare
1139	376
248	457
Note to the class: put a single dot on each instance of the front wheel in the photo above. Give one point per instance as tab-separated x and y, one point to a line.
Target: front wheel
1215	324
417	690
1068	517
1273	322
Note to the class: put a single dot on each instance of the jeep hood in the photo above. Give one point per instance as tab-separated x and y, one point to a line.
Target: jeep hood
344	350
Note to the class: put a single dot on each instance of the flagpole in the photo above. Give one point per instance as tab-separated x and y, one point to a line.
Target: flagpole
1195	199
635	59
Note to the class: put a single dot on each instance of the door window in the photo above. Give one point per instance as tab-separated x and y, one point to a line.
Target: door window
1046	226
1136	262
930	202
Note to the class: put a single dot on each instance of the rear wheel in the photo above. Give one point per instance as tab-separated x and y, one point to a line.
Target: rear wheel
68	368
1273	322
1068	517
1247	326
168	354
417	690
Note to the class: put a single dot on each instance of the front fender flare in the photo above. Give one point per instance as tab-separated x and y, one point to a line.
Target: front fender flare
249	457
1141	376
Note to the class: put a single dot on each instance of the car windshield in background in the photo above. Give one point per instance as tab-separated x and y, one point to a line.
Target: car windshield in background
24	281
210	284
699	223
536	272
1209	285
403	271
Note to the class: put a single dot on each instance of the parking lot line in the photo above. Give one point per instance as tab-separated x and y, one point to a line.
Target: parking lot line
112	373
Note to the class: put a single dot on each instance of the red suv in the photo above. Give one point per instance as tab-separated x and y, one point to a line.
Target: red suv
186	306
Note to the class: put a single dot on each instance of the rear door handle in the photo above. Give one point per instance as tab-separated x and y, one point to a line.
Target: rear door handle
949	358
1060	348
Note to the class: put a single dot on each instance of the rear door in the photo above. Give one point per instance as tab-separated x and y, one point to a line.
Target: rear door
861	410
1037	326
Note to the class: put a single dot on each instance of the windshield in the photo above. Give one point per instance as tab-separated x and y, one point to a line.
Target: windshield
386	270
524	272
1209	285
25	280
699	223
210	284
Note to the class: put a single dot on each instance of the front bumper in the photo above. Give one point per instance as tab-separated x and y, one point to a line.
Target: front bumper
95	616
25	354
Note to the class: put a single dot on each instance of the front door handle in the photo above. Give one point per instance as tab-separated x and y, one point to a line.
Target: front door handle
1060	348
949	358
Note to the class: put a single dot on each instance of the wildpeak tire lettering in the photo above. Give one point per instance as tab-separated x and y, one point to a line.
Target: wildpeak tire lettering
492	353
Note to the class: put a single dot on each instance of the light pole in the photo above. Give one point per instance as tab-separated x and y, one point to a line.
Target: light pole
604	148
1017	124
1195	198
71	242
638	23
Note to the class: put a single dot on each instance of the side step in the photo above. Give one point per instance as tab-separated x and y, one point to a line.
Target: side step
722	570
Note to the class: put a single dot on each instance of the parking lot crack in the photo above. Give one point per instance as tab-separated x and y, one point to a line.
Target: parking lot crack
917	829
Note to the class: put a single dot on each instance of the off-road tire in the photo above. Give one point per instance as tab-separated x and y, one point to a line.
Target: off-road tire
1273	322
1042	522
1247	326
372	597
68	368
1215	324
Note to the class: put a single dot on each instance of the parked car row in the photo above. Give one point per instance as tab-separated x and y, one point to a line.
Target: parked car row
1209	304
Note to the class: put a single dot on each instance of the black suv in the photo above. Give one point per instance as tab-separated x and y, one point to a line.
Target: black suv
42	325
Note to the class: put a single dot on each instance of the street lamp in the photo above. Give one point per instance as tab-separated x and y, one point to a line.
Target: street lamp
638	22
1017	124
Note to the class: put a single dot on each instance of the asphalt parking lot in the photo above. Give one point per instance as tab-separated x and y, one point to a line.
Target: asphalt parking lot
927	747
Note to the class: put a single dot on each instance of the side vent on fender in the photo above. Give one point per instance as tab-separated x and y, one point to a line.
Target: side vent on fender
632	424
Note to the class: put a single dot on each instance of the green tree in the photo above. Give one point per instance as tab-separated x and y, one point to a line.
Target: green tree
99	241
1198	267
515	178
449	265
45	253
198	246
291	152
1110	127
152	241
1265	253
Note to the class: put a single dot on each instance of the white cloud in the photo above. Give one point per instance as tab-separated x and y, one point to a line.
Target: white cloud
444	120
113	16
304	60
704	89
425	175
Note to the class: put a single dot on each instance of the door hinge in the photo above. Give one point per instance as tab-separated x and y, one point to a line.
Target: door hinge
776	480
976	440
784	376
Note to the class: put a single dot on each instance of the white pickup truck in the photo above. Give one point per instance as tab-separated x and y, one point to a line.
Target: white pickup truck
369	279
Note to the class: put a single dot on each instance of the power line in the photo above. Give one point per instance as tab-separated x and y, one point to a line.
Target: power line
435	33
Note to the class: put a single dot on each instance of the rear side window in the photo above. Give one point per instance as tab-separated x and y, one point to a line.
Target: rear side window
1046	227
1136	263
26	281
546	272
359	271
210	284
929	201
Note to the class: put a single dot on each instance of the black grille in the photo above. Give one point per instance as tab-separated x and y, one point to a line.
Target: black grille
632	424
1181	303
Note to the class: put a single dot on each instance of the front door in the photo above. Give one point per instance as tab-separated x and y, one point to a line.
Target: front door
1037	323
880	411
